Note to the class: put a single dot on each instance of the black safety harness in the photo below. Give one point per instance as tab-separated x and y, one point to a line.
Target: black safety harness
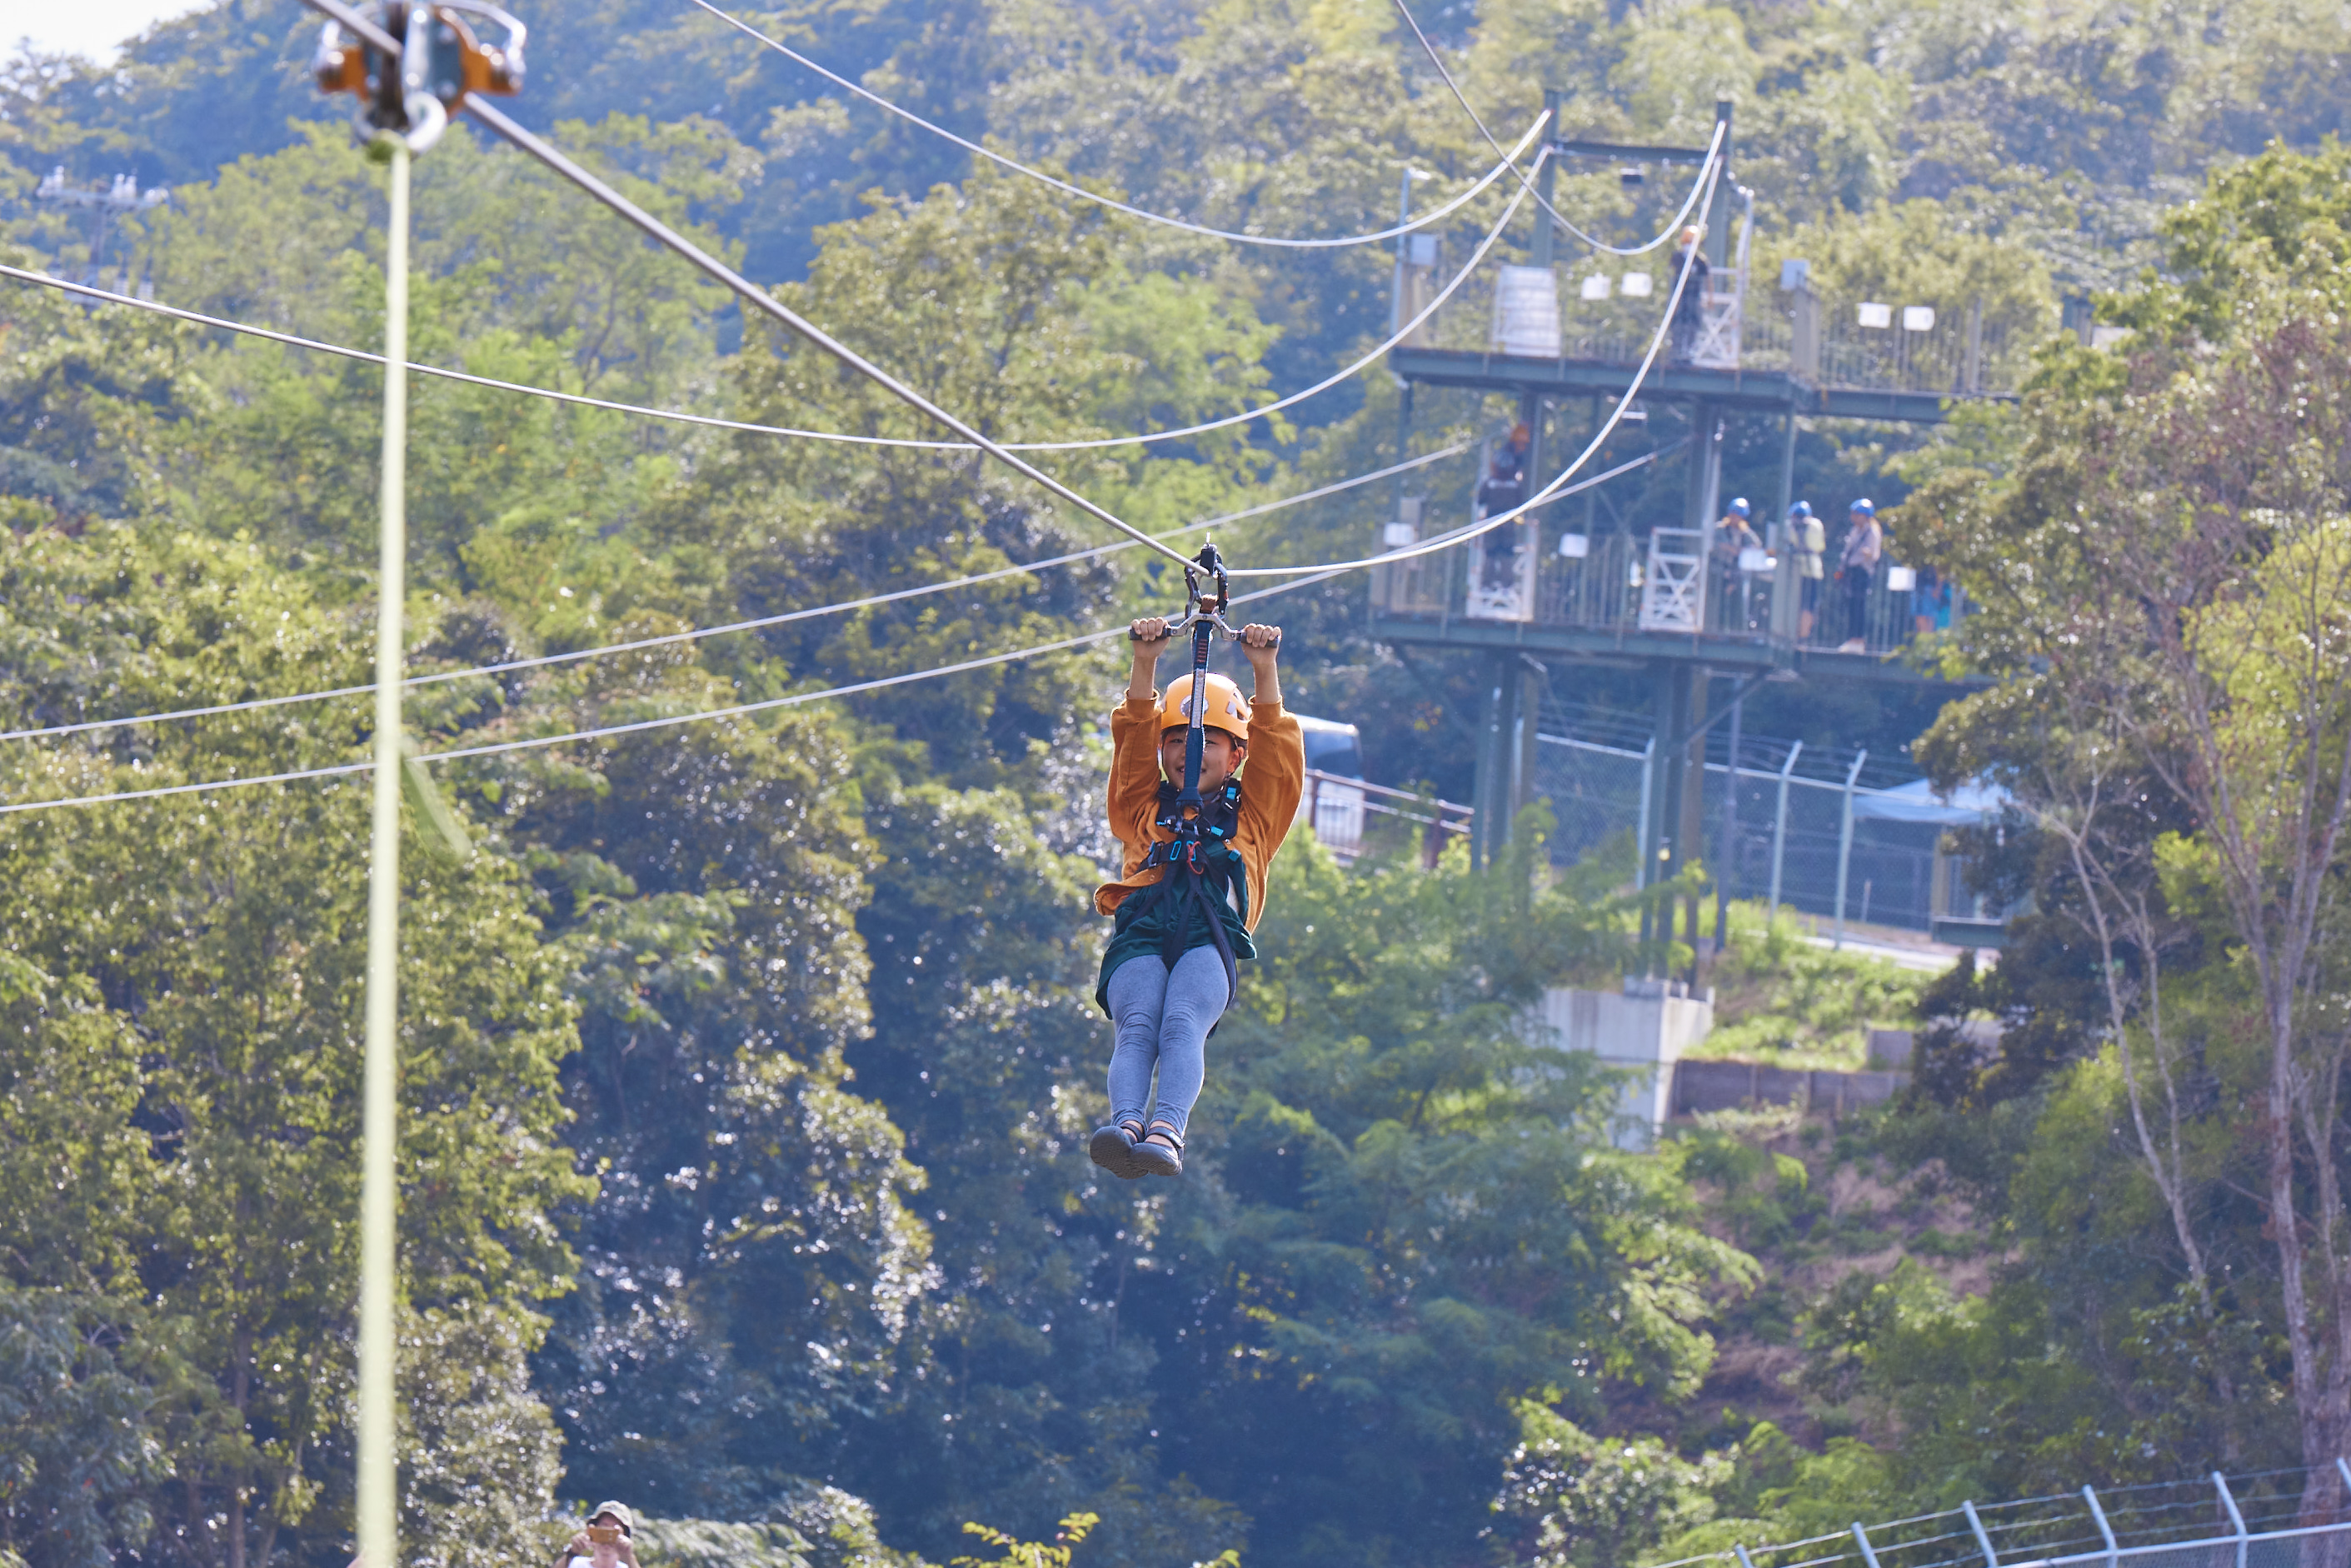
1203	867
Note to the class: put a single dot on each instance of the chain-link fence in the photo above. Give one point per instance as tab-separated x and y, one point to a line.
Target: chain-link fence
1803	815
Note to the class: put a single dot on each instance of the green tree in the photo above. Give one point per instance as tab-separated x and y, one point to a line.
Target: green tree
2162	571
1413	1217
1580	1500
214	946
80	1454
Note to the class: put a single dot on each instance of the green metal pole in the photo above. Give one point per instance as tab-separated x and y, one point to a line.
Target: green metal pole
378	1214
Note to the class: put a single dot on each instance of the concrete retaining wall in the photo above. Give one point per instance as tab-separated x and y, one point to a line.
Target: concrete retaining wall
1700	1086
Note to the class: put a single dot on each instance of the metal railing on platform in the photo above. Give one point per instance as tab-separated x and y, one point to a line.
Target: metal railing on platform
1347	814
2277	1518
1959	346
1545	575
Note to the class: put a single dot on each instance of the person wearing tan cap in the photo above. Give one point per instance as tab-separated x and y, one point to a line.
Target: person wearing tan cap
605	1543
1691	272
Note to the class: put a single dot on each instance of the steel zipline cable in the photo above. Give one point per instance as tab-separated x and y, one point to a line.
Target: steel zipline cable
738	710
660	232
541	661
1364	361
1549	492
1440	542
1511	158
1507	163
1227	422
497	120
1361	362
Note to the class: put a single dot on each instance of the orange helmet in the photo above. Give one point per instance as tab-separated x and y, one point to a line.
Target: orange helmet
1227	709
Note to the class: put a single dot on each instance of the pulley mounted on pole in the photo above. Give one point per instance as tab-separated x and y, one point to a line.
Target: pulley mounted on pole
411	94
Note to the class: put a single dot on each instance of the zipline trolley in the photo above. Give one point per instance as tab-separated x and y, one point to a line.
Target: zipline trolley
441	61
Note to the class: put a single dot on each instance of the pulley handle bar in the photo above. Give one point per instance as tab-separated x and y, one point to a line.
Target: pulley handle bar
1199	607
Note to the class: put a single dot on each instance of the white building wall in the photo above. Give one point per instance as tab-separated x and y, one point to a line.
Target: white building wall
1641	1031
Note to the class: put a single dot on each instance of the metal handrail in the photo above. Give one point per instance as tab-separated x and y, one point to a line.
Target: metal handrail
2106	1547
1391	792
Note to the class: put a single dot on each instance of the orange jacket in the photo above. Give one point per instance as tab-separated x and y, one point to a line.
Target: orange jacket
1273	776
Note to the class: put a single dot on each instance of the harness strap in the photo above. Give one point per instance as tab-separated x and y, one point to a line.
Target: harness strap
1192	865
1186	887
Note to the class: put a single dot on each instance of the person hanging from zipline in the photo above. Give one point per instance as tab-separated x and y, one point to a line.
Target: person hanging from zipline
1193	887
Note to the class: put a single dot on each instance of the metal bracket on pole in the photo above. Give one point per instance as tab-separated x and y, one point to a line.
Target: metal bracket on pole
1780	829
2090	1496
2230	1502
1868	1553
1844	841
2343	1470
1992	1558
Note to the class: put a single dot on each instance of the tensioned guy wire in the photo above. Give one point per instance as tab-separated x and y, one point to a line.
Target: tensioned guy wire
1558	490
634	726
291	340
1512	158
1422	221
784	618
1142	438
736	710
1476	256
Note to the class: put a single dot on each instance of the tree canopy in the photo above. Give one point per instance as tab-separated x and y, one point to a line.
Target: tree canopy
749	1060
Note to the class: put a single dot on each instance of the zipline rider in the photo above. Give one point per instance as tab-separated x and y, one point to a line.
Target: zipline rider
1193	881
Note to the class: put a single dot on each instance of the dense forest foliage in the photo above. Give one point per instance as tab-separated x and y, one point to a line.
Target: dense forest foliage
748	1061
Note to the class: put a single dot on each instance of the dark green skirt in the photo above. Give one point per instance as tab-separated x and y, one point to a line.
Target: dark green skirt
1141	926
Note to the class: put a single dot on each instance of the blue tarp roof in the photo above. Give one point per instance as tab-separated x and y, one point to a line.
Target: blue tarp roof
1917	802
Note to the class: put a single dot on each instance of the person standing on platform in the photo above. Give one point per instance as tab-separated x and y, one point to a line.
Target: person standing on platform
1930	602
1734	533
1691	272
1502	490
1733	536
1864	544
1808	542
1505	485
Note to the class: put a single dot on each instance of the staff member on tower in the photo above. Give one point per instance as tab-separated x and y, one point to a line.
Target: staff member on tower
1864	543
1808	542
1691	271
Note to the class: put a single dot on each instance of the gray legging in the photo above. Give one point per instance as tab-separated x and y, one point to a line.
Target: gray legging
1162	1019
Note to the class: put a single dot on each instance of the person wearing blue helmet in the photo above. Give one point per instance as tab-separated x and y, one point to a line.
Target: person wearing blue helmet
1808	542
1735	533
1864	546
1734	537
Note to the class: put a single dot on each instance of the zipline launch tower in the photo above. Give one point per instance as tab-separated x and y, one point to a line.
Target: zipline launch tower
1676	603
